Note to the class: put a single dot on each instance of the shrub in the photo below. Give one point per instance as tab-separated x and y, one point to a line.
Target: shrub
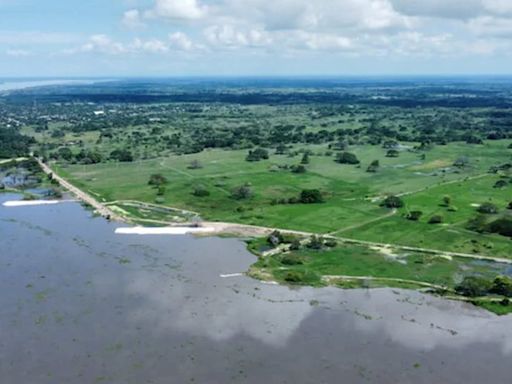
436	219
200	191
392	153
291	259
242	192
311	196
488	208
373	167
392	202
157	180
195	164
502	285
477	224
298	169
414	215
501	226
257	155
294	276
473	286
347	158
500	184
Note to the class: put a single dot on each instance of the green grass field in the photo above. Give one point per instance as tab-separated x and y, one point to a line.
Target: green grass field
349	208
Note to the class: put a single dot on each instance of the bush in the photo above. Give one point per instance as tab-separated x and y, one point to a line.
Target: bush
477	224
195	164
242	192
291	259
414	215
294	276
200	191
502	285
311	196
488	208
473	286
347	158
257	155
315	243
392	202
156	180
500	184
392	153
436	219
298	169
501	226
373	167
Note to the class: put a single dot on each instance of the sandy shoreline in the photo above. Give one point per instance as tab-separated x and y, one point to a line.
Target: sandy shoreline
29	203
163	230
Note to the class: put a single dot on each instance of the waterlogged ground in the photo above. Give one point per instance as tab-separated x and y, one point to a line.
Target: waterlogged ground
80	304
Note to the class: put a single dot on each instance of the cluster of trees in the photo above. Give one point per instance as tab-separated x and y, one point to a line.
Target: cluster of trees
475	286
257	155
306	196
14	144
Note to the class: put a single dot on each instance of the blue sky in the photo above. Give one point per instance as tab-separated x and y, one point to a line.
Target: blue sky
254	37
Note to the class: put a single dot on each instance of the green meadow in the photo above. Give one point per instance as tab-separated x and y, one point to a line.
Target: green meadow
352	195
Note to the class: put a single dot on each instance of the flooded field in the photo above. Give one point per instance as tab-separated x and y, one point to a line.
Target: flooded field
81	304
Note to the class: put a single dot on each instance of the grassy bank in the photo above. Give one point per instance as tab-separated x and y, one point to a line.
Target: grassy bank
357	266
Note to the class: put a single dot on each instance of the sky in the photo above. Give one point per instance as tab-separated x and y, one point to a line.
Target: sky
169	38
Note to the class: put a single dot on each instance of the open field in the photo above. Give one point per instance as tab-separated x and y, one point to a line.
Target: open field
352	196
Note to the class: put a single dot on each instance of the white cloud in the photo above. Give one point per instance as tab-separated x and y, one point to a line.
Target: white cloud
150	46
103	44
491	27
230	36
181	41
132	19
178	9
499	7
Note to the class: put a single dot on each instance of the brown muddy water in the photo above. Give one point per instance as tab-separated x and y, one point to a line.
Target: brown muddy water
80	304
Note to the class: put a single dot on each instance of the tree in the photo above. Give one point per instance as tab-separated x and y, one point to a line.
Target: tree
392	153
447	201
275	238
500	184
473	286
477	224
195	164
392	202
347	158
509	205
311	196
200	191
122	155
156	180
501	226
305	158
488	208
502	285
257	155
414	215
242	192
461	162
298	169
315	243
373	167
436	219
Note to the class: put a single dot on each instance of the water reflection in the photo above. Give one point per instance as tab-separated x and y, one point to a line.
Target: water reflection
80	304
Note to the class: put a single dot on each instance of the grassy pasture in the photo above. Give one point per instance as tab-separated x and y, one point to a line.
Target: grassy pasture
348	191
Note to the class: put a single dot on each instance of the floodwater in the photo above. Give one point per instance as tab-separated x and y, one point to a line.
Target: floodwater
80	304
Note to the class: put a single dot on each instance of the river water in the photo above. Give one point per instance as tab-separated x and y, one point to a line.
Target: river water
80	304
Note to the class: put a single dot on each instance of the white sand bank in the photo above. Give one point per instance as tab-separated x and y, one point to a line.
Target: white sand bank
231	275
163	230
29	203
